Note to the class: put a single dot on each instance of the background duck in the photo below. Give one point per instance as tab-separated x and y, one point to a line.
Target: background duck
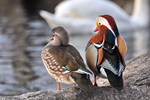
74	14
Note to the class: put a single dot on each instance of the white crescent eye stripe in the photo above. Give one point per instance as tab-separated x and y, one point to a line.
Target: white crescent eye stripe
55	33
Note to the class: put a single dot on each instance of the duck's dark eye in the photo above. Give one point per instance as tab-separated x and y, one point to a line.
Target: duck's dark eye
99	23
53	35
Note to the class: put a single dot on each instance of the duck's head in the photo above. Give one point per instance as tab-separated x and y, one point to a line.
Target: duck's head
104	24
59	36
106	21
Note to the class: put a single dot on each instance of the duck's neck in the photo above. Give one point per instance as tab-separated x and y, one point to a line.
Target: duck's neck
141	12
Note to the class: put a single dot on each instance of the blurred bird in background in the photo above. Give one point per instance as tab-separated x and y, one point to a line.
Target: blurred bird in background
74	14
105	52
63	61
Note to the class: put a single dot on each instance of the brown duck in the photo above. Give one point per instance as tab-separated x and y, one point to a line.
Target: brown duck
64	62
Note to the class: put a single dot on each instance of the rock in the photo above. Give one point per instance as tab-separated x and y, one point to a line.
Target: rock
137	87
138	71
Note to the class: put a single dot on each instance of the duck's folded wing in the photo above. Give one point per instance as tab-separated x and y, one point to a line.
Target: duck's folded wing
75	61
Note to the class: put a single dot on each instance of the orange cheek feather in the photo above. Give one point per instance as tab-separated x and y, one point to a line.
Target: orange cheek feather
96	38
100	35
122	46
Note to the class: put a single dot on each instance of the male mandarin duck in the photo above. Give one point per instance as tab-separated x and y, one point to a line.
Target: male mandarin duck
105	52
64	62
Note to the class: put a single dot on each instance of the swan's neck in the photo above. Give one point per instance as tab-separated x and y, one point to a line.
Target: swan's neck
141	11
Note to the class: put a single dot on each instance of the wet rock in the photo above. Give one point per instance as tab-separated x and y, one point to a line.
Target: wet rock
138	71
137	87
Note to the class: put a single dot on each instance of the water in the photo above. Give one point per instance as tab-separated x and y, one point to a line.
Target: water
21	41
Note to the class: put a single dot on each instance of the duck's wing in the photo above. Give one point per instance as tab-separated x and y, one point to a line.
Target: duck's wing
113	66
67	57
113	62
75	62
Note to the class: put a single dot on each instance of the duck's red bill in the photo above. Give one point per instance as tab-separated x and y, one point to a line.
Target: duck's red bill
97	29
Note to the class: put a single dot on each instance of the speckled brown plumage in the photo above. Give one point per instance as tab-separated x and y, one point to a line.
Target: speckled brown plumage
64	62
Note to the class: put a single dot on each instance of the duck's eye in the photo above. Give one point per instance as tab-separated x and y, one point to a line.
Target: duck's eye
53	35
99	23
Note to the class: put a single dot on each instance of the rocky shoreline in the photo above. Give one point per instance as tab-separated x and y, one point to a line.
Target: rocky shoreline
137	86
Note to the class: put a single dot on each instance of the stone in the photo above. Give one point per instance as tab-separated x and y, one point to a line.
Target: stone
136	79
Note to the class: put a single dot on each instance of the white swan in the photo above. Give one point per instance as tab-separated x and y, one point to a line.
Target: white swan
78	16
140	17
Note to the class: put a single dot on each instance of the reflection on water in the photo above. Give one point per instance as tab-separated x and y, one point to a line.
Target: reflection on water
21	41
141	41
138	42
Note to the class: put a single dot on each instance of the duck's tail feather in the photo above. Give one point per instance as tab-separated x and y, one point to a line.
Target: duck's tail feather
83	81
115	80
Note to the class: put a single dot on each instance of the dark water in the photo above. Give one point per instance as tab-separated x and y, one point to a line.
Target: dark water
21	41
